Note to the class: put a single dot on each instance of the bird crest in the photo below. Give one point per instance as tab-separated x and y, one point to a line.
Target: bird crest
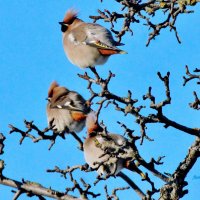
53	85
70	16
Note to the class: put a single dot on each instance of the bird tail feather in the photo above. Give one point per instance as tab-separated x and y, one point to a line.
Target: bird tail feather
123	52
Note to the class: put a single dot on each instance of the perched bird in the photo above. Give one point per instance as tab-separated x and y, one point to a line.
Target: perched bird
87	44
66	110
107	153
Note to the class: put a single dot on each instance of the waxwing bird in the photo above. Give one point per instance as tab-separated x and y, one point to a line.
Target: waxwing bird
87	44
66	110
101	151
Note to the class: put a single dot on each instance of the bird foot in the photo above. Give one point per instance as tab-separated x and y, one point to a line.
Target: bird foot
95	73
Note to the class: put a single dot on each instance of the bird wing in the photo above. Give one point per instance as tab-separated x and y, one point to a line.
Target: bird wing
99	37
110	141
102	39
94	35
71	101
118	139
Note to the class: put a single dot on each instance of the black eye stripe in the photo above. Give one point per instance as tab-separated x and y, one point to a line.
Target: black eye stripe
63	28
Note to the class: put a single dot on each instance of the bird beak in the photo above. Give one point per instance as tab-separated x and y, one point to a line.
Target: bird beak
63	24
48	98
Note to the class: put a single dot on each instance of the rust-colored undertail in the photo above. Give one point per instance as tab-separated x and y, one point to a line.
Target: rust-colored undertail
107	52
78	116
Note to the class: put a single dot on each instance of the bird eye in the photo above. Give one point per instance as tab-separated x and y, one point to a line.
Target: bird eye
72	103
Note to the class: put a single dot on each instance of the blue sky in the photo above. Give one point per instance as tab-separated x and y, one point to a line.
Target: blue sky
32	57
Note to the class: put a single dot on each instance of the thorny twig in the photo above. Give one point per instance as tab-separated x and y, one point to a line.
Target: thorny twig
136	12
132	184
191	76
32	188
114	195
133	12
174	189
42	134
119	151
2	138
129	132
142	120
159	117
196	104
83	192
127	105
69	169
129	108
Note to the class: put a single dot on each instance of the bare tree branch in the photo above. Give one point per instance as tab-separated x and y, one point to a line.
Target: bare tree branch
196	104
69	169
2	138
84	192
191	76
133	185
32	188
113	195
132	12
42	134
137	12
174	189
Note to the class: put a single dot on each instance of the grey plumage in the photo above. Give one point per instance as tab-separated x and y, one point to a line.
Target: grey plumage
94	152
84	42
63	106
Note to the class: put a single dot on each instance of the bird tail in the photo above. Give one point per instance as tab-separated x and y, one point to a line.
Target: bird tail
108	52
123	52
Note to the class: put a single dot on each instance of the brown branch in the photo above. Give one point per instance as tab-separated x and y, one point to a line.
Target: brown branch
127	106
132	184
18	194
138	12
149	95
107	95
174	189
150	166
191	76
104	85
41	133
131	109
32	188
119	153
83	192
129	132
196	104
69	169
163	119
159	117
2	139
113	195
129	151
36	189
197	70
